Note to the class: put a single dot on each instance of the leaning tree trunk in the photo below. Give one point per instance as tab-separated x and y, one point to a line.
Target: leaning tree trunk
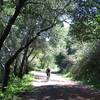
7	69
27	63
20	75
30	52
11	21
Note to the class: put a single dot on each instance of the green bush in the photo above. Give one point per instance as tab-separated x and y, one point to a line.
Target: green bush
89	67
16	86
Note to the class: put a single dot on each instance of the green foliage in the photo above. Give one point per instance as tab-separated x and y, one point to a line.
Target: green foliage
61	61
16	86
89	66
85	31
98	19
85	26
38	14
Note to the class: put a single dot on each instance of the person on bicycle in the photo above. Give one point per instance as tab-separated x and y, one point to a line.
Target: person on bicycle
48	73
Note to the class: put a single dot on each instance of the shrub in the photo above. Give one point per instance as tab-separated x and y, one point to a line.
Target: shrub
16	86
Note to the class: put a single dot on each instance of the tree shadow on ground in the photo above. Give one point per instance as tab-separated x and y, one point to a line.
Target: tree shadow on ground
56	92
57	72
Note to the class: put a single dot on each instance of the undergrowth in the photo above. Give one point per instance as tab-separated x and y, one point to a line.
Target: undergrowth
16	85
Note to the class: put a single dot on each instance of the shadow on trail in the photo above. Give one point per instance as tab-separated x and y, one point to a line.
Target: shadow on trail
57	72
56	92
58	88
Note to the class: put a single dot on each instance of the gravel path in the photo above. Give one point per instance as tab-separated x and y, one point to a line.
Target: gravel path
57	88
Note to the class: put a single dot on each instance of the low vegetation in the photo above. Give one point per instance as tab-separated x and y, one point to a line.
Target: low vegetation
16	86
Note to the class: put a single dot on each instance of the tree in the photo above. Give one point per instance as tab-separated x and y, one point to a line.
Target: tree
11	21
11	60
85	28
35	18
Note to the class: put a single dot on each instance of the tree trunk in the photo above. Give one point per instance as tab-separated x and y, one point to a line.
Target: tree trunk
26	66
7	69
33	57
30	52
6	75
15	67
1	2
11	22
20	75
26	62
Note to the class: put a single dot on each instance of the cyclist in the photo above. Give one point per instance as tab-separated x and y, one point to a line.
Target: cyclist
48	73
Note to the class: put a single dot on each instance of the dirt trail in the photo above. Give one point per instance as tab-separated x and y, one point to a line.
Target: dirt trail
57	88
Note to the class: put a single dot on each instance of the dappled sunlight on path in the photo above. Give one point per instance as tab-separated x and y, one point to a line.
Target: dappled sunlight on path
58	88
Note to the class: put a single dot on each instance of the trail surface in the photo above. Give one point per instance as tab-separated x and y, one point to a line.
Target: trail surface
58	88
